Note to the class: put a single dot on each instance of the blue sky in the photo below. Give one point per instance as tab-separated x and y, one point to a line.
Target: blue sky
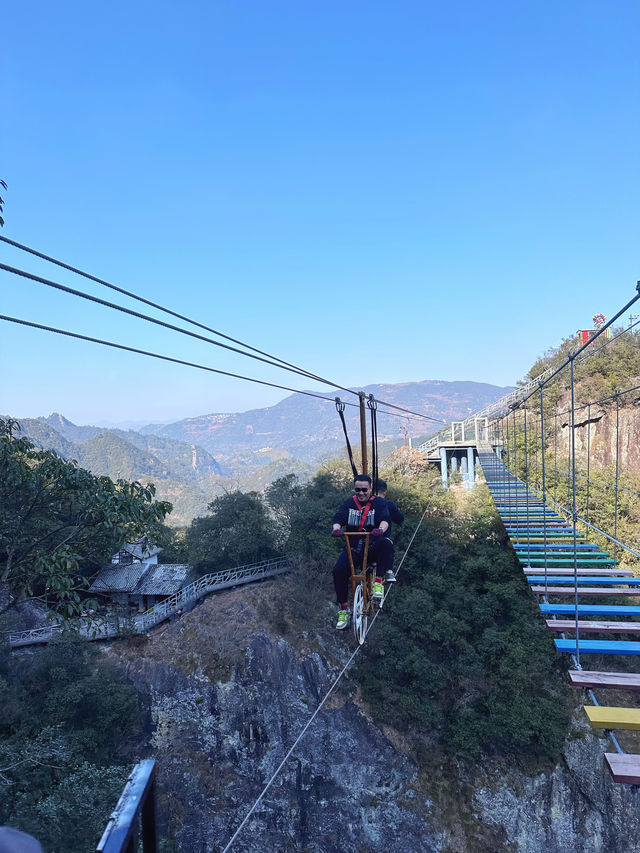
376	191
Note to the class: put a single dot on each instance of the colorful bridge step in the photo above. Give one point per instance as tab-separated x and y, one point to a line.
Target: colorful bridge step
600	647
608	717
593	626
613	680
592	609
569	573
624	767
613	591
594	580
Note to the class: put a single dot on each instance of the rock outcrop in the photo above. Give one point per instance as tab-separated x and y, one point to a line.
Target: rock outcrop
227	698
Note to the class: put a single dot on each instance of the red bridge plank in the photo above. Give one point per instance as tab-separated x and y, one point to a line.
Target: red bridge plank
624	767
615	680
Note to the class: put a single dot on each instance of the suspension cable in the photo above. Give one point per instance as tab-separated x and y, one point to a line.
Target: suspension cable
371	403
269	359
402	409
163	357
71	290
165	310
274	363
340	409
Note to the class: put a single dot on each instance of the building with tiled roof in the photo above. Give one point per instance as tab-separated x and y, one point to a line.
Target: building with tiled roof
135	578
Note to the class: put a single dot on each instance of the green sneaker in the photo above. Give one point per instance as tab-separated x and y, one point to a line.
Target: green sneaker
343	619
378	589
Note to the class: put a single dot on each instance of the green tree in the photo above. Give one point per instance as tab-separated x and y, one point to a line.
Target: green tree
237	532
66	719
283	497
59	523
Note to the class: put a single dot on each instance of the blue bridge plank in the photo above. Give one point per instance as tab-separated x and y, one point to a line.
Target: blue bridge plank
591	609
600	647
585	580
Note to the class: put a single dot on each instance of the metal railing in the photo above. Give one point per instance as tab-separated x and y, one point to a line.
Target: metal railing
105	628
446	435
134	817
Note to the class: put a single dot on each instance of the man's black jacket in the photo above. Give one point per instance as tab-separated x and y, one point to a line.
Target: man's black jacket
350	516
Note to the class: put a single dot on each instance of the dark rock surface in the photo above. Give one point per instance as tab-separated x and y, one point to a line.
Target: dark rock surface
228	697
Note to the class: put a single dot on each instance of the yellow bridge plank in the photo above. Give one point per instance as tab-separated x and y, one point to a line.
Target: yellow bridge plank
604	717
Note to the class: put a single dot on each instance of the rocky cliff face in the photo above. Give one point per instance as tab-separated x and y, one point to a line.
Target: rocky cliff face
598	433
228	695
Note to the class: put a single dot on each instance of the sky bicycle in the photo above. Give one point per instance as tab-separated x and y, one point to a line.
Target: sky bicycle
361	585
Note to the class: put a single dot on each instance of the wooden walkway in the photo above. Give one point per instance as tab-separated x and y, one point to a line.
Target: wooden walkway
564	570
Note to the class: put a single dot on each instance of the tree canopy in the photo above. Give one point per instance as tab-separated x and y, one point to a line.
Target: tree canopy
237	532
66	720
59	522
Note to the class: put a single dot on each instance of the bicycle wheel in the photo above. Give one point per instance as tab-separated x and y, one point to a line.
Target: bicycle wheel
359	616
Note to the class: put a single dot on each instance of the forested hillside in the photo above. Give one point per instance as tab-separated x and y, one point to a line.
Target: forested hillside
193	461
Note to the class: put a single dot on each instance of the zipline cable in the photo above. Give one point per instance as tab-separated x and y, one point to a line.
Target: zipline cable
164	357
161	357
299	371
318	709
81	294
402	409
162	308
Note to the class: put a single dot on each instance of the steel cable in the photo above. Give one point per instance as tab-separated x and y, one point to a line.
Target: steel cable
165	310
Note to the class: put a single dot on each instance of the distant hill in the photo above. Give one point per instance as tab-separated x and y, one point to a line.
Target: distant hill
184	474
309	428
193	460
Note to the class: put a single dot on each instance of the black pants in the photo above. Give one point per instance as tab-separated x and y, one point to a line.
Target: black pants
380	552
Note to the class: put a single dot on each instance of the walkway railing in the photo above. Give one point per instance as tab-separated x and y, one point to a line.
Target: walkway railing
134	817
492	409
104	628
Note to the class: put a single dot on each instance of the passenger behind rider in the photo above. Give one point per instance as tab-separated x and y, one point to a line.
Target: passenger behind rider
364	511
396	516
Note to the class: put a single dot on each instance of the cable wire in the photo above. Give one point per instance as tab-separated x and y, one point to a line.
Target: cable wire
164	357
72	290
159	307
96	299
409	411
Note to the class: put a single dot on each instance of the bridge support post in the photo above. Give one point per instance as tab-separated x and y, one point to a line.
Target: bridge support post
465	470
443	466
454	463
471	481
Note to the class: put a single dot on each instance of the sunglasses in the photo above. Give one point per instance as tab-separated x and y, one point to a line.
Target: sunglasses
362	490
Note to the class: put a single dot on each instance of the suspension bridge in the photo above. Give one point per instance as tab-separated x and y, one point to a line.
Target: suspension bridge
550	521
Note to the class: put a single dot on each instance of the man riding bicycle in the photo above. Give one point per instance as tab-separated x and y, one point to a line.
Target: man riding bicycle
362	512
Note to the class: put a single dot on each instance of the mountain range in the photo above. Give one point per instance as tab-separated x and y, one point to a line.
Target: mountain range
194	459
